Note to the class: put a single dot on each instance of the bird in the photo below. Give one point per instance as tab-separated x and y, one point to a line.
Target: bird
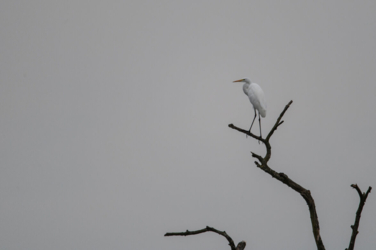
256	97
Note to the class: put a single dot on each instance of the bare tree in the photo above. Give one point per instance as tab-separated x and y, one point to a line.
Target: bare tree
262	164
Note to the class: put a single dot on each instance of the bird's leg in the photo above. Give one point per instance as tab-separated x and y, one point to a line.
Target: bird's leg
253	121
260	127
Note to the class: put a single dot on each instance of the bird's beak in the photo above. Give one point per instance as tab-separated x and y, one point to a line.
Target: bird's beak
239	80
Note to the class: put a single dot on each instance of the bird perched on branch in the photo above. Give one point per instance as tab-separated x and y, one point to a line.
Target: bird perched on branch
256	97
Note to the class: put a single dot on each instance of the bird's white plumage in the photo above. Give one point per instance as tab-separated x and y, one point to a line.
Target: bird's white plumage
256	97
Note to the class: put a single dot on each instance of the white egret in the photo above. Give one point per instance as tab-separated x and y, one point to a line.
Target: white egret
256	97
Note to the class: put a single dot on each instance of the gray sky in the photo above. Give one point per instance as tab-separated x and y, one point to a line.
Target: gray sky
114	122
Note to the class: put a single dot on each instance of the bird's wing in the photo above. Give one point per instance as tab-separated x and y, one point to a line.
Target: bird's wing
257	98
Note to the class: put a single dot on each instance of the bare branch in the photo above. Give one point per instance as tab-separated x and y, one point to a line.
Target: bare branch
278	122
276	125
208	229
306	194
355	186
246	132
363	198
257	157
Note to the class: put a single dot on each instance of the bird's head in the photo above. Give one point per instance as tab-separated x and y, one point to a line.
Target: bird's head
243	80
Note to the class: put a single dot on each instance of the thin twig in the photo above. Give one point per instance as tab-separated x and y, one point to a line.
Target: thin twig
207	229
278	122
257	157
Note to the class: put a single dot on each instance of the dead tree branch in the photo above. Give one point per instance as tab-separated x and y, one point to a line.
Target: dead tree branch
306	194
363	198
231	243
263	165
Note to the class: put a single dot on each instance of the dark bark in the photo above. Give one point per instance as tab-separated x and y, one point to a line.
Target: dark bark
231	243
306	194
363	198
262	163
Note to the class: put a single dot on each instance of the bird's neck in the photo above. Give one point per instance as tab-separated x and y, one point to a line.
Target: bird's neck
245	88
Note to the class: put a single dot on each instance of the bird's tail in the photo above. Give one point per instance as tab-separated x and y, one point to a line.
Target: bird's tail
262	112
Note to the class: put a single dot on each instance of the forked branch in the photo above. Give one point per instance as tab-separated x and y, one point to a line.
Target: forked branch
267	139
306	194
363	198
263	165
231	243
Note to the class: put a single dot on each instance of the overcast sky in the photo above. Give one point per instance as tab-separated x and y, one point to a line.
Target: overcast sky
114	123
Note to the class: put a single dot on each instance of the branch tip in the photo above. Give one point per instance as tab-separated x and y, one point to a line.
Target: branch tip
362	197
